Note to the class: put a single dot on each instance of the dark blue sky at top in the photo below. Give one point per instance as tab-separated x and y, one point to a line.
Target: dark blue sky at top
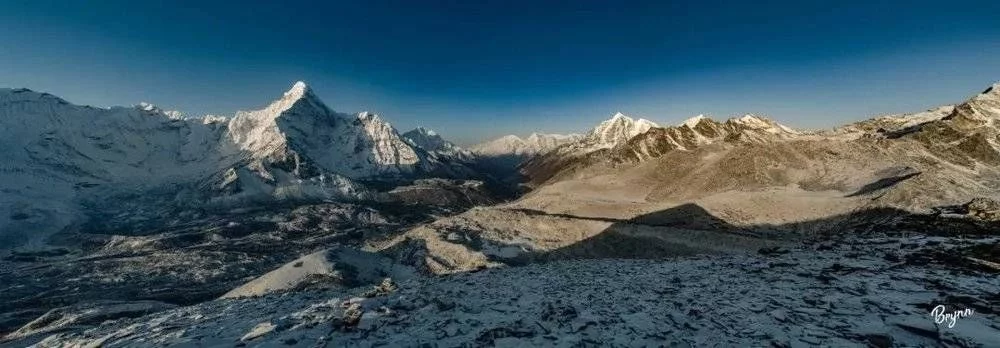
477	69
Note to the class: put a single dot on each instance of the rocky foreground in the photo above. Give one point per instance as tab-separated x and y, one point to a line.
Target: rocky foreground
877	291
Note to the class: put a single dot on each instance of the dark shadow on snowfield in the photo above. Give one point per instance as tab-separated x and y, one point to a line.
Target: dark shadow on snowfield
885	182
654	235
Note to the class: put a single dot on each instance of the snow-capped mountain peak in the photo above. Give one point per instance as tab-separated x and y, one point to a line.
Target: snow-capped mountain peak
300	124
761	123
637	140
618	129
428	140
369	116
298	90
752	120
432	142
426	131
611	133
257	132
692	122
149	107
294	148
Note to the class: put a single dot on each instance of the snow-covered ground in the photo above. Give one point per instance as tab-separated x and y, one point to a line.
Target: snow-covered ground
877	291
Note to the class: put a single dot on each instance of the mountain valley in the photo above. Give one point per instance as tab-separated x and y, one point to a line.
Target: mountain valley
295	224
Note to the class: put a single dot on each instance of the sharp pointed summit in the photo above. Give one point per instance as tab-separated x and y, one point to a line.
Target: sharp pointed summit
618	129
428	139
362	145
299	91
434	143
298	88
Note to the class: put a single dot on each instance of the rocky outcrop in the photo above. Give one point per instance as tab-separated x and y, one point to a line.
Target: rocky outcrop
326	269
983	208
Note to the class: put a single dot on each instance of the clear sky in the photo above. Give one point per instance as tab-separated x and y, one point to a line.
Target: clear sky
479	69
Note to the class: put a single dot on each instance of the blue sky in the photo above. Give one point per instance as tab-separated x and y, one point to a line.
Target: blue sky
480	69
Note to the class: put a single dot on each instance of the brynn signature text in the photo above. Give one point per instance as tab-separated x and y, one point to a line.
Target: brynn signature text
941	317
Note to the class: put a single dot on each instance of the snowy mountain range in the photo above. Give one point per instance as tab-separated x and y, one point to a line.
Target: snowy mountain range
514	150
73	160
432	142
913	161
609	134
618	129
698	131
69	159
534	144
165	229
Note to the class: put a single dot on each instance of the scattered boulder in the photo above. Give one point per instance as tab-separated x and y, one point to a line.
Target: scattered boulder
351	318
258	331
768	251
331	268
385	288
983	209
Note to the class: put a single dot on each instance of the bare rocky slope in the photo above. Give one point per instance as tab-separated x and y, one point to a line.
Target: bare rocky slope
953	143
723	187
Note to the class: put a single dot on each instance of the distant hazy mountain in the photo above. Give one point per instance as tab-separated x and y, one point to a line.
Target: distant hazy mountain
534	144
503	156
